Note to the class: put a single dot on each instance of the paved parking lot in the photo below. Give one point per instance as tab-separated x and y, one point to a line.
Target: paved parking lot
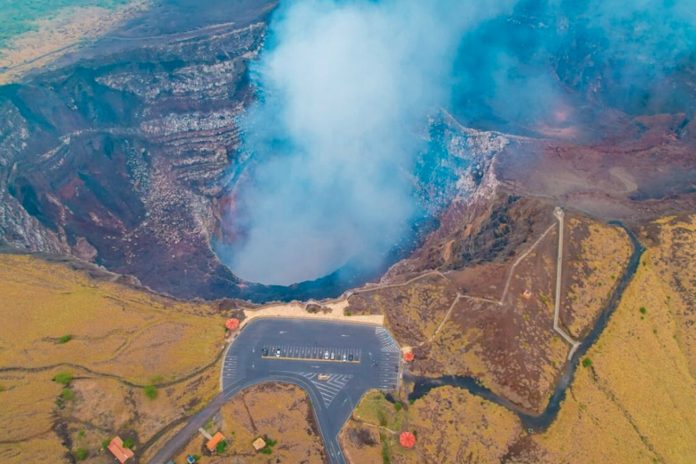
335	362
295	351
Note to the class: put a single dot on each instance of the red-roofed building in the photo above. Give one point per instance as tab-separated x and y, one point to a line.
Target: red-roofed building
119	451
407	439
232	324
409	356
213	442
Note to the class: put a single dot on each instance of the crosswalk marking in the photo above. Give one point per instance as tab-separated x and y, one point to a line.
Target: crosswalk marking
329	388
386	340
229	368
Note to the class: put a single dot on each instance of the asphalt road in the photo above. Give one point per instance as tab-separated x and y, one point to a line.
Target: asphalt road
304	345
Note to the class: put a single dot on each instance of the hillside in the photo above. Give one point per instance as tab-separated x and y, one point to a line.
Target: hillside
80	354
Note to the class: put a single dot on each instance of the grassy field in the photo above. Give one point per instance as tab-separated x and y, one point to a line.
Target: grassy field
450	425
280	413
633	398
83	359
18	17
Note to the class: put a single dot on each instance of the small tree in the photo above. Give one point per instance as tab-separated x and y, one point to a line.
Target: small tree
221	447
64	339
587	362
63	378
150	391
67	394
81	454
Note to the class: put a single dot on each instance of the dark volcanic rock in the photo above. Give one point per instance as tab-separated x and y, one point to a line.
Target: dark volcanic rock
120	158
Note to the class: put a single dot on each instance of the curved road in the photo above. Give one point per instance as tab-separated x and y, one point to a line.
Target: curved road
293	351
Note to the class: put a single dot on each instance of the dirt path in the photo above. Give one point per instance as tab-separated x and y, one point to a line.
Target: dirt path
118	378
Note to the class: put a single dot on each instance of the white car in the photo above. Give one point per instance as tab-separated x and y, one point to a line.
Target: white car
326	355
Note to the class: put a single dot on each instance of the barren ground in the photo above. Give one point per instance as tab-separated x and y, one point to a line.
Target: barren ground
275	411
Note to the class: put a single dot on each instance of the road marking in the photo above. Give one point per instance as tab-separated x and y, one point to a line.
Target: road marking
330	388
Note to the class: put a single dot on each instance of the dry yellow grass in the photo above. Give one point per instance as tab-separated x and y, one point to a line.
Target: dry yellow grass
121	338
599	256
637	401
114	329
451	426
55	36
277	411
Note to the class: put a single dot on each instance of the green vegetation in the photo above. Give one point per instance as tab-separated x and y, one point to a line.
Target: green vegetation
20	17
586	362
386	455
150	391
81	454
64	339
376	409
381	418
2	388
63	378
643	310
105	443
68	395
128	443
270	443
221	447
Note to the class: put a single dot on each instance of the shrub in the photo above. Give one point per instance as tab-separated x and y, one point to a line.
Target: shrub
63	378
65	338
221	447
587	362
81	454
386	457
2	388
68	395
398	406
105	443
150	391
270	443
128	443
643	310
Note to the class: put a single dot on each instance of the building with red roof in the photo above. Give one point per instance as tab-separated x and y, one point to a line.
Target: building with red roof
213	442
232	324
407	439
119	451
